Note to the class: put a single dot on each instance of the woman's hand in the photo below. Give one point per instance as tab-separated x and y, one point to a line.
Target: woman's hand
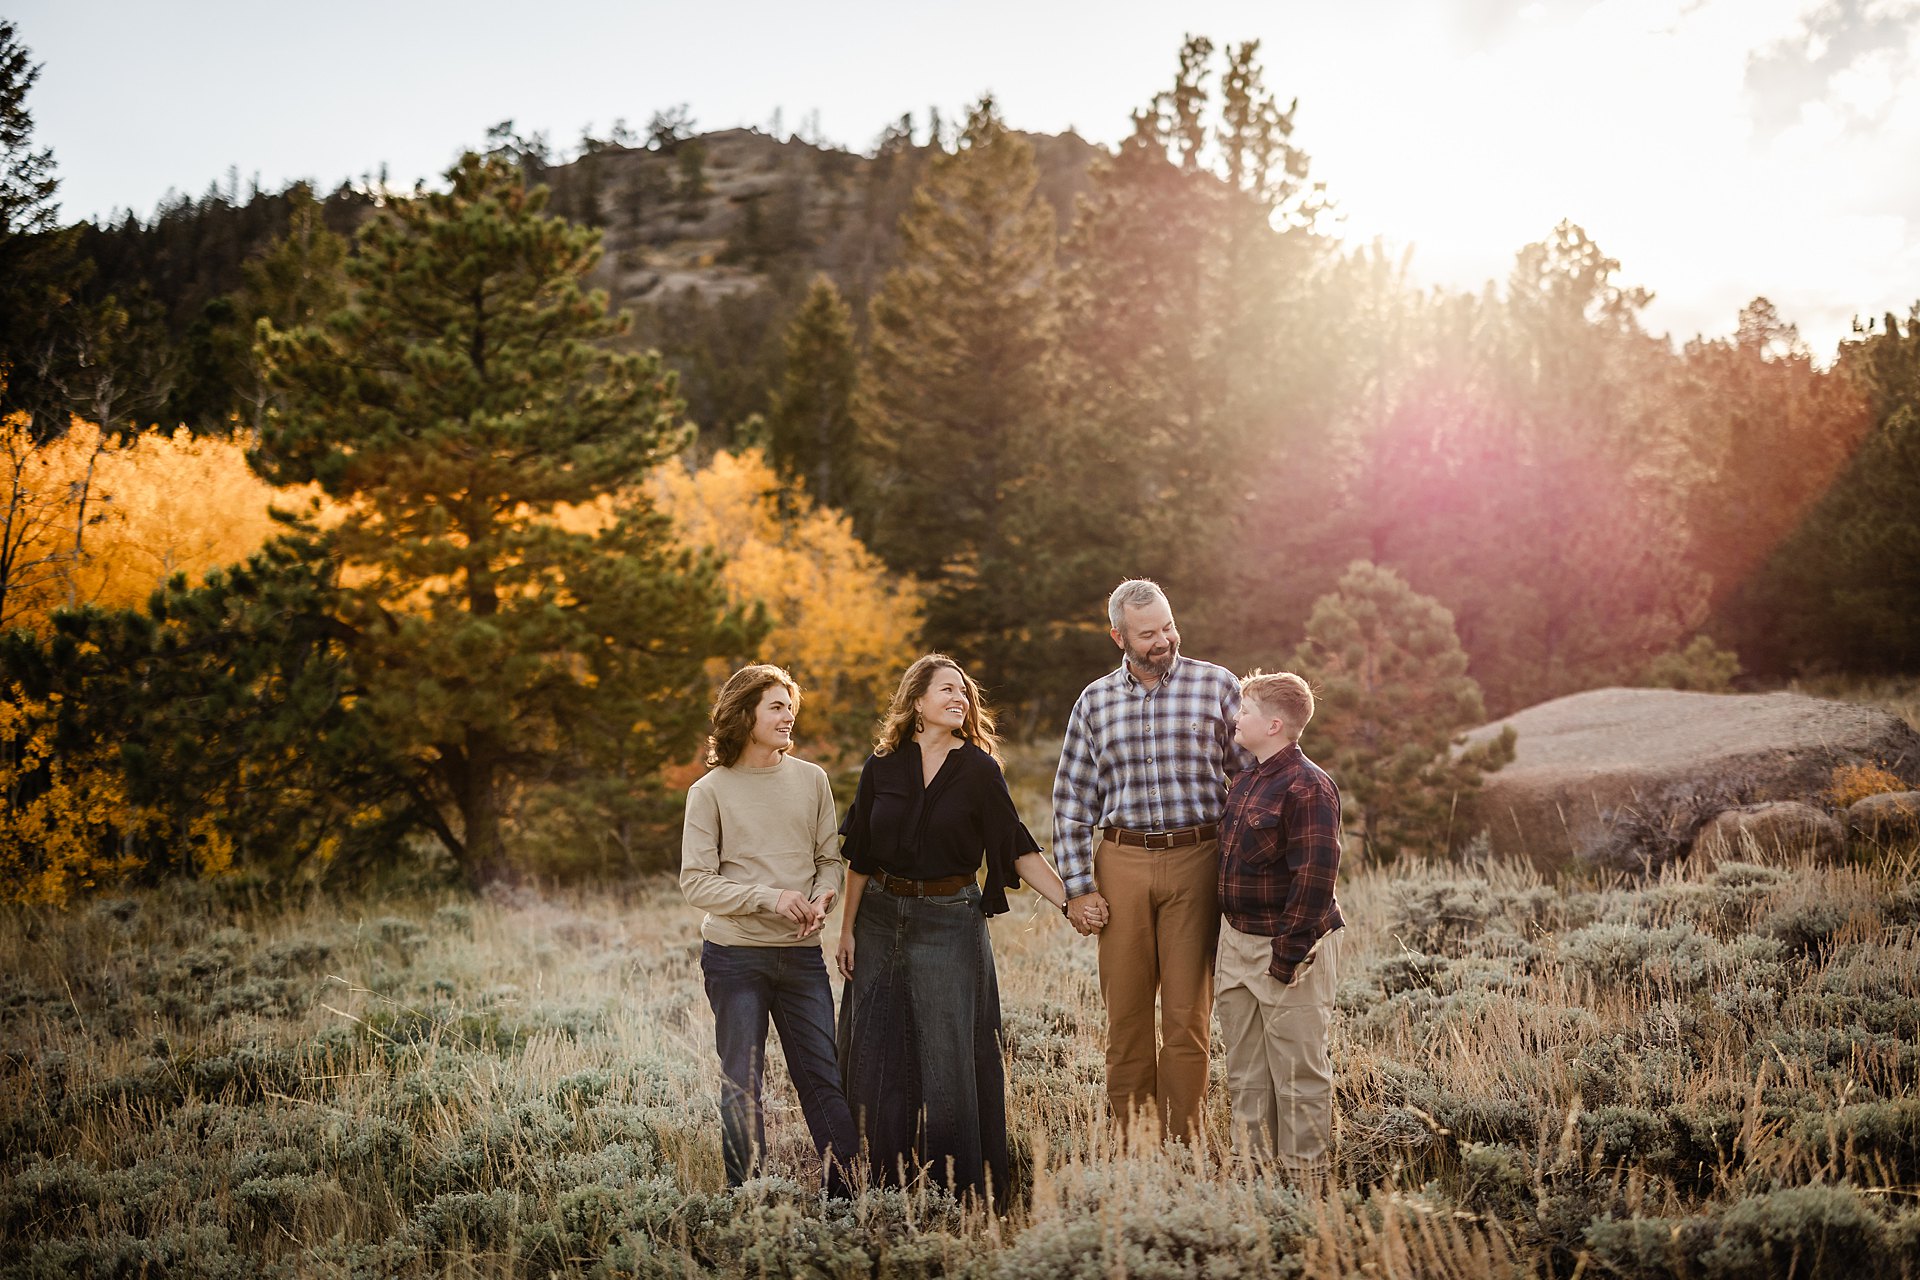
843	954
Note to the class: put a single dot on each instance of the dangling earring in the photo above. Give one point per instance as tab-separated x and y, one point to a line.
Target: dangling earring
919	725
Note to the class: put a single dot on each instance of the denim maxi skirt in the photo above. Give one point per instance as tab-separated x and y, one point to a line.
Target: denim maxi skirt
920	1042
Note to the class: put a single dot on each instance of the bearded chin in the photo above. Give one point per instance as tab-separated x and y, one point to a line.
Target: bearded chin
1161	665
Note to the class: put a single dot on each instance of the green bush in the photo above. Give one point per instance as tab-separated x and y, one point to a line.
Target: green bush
1802	1233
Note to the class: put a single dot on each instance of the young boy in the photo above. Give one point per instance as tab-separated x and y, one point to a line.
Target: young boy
1278	960
760	855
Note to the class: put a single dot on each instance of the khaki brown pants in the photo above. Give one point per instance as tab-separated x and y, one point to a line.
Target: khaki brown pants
1278	1074
1158	942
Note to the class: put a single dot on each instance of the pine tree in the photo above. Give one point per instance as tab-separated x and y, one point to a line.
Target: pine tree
1394	697
461	400
1771	431
810	425
1199	354
961	411
204	733
1844	590
39	270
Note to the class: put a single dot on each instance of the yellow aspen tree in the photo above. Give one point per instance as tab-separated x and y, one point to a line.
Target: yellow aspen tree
842	624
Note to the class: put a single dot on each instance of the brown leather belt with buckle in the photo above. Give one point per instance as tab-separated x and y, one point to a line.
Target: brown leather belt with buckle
904	888
1165	839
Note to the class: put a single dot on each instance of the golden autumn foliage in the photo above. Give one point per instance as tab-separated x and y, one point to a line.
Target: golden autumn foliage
843	625
91	519
78	831
1853	783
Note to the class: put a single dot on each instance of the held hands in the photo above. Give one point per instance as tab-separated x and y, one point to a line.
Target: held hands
1087	913
809	916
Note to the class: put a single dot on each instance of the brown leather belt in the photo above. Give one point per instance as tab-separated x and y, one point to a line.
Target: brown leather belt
901	887
1164	839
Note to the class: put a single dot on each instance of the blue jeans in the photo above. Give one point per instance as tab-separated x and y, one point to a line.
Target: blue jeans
745	985
920	1042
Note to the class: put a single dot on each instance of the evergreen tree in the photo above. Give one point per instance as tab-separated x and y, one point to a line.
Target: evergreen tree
1771	431
810	427
461	400
963	399
1394	698
1199	349
213	729
1844	591
39	270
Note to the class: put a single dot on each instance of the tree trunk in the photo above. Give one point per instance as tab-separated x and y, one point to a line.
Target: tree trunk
484	844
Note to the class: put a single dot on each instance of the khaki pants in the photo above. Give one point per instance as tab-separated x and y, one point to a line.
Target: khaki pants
1159	940
1278	1074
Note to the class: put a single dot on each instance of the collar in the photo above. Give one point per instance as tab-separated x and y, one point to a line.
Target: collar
1280	761
1131	681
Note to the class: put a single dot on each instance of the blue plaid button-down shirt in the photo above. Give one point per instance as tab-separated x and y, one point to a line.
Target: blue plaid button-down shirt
1145	759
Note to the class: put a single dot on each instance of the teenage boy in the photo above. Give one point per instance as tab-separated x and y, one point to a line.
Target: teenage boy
760	855
1279	952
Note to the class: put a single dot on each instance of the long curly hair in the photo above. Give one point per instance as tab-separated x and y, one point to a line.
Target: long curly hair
733	710
897	725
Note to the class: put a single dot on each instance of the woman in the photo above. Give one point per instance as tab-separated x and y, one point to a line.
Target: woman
920	1015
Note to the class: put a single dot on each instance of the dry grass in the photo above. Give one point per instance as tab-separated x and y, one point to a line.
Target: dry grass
1898	694
1710	1071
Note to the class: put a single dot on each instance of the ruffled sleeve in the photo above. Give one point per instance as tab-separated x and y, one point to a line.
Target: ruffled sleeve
858	827
1007	838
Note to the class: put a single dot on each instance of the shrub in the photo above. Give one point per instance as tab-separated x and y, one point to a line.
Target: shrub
1880	1139
1497	1178
1806	1233
1855	782
1808	927
1702	666
1614	954
1816	1232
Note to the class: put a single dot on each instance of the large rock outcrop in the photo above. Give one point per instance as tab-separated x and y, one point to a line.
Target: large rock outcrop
1627	777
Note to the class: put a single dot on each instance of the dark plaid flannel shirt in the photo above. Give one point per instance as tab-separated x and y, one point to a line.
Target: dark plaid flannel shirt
1279	854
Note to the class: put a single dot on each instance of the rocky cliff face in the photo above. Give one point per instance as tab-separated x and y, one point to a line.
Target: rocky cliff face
723	213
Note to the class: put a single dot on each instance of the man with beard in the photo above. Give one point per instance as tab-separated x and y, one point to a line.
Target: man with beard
1147	756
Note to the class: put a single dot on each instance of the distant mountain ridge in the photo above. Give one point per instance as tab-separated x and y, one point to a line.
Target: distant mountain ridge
709	239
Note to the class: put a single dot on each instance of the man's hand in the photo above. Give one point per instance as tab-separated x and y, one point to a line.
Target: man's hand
803	913
1088	913
1273	970
824	904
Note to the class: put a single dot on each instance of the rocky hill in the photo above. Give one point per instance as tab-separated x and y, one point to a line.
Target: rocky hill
724	213
709	240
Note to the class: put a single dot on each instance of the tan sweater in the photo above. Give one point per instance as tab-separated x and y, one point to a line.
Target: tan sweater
751	833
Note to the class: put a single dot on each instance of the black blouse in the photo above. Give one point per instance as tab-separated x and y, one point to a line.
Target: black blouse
945	828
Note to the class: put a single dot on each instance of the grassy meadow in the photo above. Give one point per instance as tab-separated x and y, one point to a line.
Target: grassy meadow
1709	1074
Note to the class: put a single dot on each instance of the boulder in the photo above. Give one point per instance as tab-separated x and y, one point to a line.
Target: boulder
1892	817
1627	777
1764	832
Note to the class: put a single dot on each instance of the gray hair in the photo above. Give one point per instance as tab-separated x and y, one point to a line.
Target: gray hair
1133	593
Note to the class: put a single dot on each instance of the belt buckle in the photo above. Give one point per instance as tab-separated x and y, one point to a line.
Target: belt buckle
1159	840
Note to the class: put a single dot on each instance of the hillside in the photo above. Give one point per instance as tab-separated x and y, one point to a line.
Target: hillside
709	240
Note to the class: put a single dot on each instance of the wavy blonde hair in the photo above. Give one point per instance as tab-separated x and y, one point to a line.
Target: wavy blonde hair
897	725
731	719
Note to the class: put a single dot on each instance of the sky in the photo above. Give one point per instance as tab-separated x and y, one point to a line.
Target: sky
1719	149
